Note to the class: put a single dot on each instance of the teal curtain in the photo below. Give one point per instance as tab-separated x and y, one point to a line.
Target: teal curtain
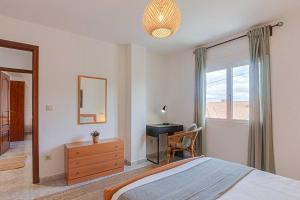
200	94
260	149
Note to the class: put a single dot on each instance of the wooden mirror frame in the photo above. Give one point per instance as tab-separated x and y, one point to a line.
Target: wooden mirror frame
79	97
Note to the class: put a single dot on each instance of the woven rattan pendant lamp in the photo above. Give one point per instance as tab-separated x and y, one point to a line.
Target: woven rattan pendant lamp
161	18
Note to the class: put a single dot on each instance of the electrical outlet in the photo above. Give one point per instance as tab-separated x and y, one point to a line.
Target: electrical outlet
49	107
47	157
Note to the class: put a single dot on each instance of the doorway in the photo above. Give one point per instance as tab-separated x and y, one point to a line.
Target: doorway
33	72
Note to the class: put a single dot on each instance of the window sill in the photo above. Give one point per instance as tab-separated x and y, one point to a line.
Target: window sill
232	121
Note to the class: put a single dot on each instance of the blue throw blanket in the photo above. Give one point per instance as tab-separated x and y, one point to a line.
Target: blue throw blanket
206	181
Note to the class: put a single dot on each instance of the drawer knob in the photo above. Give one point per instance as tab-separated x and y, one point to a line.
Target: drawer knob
116	164
77	163
116	155
116	146
77	153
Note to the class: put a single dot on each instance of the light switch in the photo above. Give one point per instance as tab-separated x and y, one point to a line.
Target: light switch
49	107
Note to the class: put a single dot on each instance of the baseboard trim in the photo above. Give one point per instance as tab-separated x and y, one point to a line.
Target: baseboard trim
135	162
47	179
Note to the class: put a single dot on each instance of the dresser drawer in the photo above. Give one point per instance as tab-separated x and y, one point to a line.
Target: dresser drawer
95	159
86	160
95	168
95	149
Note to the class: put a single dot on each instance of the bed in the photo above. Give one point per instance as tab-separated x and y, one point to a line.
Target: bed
206	179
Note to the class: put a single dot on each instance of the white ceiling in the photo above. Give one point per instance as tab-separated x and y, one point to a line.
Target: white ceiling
120	21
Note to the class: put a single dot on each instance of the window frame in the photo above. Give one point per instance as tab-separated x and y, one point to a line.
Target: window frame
229	94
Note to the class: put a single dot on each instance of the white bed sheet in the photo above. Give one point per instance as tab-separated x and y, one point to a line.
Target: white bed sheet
257	185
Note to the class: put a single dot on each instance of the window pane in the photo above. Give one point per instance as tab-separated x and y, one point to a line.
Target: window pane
240	92
216	94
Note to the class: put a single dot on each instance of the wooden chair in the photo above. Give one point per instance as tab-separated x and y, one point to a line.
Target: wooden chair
175	143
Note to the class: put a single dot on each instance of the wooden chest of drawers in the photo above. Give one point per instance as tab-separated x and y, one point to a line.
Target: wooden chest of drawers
85	160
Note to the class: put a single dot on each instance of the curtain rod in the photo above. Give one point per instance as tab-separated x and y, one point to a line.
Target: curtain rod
279	24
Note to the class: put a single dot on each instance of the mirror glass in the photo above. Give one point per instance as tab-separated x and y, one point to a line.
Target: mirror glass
92	100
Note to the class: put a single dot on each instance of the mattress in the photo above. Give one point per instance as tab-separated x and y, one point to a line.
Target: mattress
257	185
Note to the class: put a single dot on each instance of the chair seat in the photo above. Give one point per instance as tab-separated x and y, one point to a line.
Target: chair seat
182	141
177	146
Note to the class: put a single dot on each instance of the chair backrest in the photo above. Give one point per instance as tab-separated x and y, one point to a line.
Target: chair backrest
193	135
178	137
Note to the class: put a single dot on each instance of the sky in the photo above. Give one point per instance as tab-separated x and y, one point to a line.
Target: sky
216	84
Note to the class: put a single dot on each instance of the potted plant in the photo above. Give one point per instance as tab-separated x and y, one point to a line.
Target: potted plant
95	135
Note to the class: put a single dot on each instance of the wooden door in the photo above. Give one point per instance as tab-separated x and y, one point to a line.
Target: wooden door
4	112
17	110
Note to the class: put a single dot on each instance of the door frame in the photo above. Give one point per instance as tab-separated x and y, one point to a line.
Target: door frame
35	98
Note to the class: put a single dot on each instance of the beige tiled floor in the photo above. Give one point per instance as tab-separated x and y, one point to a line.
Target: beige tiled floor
17	184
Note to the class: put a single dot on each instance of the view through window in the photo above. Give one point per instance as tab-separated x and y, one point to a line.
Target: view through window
240	92
216	92
227	93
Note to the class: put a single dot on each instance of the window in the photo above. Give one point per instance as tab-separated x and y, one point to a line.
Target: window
216	88
227	93
240	92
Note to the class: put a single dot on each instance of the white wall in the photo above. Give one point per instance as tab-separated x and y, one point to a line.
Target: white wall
124	100
64	56
229	140
132	102
157	93
285	48
138	102
170	81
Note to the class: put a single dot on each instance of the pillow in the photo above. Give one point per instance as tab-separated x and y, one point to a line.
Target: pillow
192	127
187	141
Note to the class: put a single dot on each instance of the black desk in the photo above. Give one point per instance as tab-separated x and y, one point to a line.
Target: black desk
153	132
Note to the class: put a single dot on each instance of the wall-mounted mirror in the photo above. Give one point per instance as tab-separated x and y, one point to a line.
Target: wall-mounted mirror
92	97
